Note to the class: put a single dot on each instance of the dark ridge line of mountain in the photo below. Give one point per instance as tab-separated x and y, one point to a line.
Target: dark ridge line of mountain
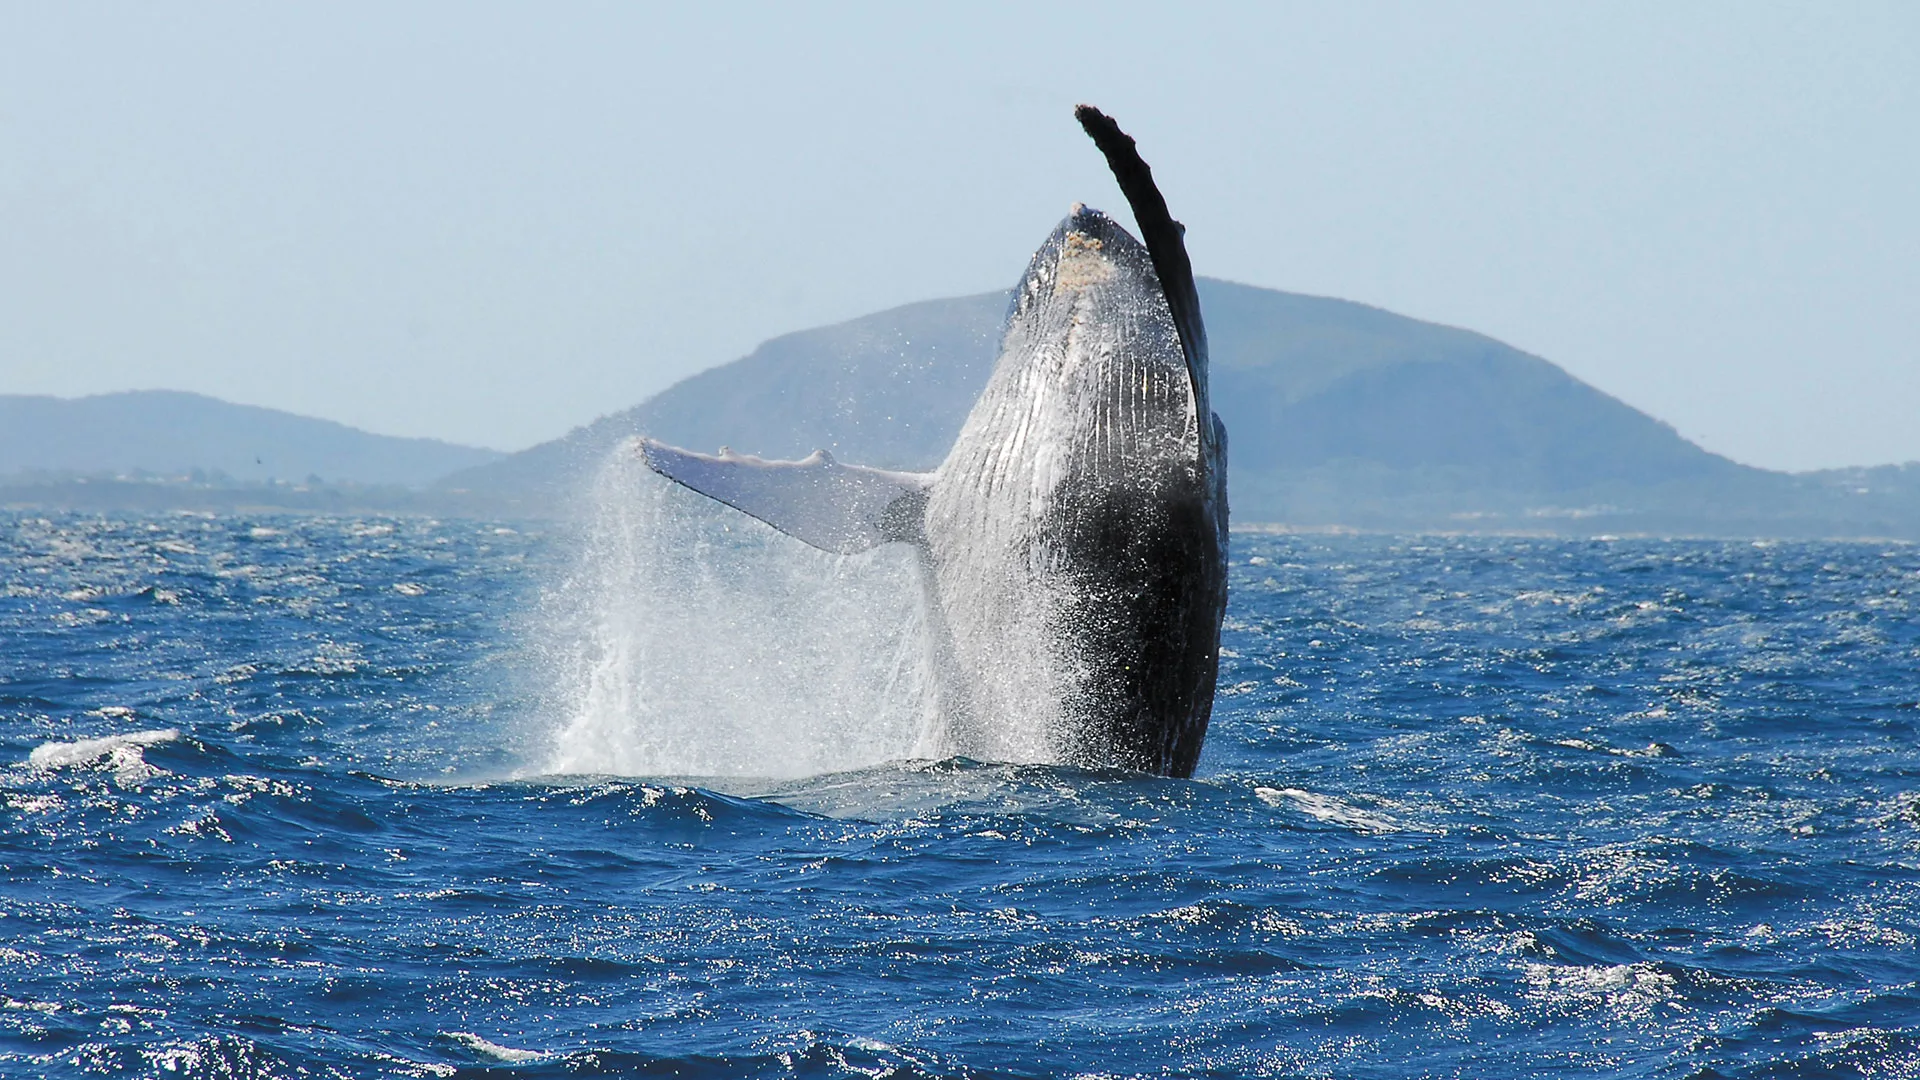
176	433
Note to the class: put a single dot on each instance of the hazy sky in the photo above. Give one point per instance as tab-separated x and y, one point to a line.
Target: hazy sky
490	223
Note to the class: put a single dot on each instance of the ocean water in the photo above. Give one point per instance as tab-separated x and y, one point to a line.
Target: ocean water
318	797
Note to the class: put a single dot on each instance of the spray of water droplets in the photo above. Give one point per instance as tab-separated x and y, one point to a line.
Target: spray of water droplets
693	640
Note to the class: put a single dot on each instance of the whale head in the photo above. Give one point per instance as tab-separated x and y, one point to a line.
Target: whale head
1090	259
1096	356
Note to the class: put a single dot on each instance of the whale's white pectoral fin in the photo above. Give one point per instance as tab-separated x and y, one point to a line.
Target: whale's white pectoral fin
817	500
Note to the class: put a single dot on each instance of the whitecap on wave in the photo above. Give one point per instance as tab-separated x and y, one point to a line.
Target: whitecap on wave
1630	990
1334	811
121	753
467	1040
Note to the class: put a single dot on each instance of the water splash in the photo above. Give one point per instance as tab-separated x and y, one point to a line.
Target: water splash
121	753
696	641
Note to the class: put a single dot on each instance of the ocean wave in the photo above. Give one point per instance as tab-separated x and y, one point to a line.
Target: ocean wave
1335	811
123	754
1444	831
490	1050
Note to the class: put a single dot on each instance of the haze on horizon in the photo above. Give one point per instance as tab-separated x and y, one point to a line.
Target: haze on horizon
490	223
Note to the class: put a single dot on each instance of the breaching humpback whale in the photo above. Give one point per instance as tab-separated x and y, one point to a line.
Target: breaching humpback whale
1073	543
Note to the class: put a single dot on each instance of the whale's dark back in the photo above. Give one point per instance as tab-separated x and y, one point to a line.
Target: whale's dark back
1154	589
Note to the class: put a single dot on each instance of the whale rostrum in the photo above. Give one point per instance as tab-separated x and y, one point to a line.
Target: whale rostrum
1073	543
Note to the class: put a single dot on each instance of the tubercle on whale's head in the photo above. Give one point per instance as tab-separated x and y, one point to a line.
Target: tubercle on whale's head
1087	251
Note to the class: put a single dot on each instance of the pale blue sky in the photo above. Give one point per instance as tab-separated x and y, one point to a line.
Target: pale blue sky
489	223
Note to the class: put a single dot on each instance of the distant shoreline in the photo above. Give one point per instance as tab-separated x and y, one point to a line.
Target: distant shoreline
167	495
98	494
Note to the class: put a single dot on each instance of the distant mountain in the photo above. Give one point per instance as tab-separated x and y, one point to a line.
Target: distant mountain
170	433
1304	383
888	389
1338	414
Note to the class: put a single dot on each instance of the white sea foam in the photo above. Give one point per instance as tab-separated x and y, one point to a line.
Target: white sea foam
494	1050
1654	749
120	753
59	755
1630	990
1329	809
692	640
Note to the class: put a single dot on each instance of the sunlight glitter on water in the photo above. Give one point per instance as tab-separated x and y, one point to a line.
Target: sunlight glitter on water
1672	829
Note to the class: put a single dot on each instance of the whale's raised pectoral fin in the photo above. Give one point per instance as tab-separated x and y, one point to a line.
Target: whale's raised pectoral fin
1166	239
817	500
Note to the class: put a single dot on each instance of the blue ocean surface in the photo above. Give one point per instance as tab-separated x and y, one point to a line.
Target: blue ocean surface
277	804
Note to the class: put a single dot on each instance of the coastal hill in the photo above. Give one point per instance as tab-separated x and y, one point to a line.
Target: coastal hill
1338	415
170	433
